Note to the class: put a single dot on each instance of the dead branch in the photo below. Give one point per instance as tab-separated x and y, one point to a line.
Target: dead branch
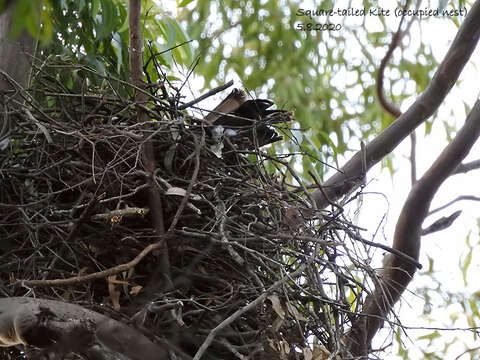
184	201
244	309
155	198
206	95
98	275
459	198
442	223
115	216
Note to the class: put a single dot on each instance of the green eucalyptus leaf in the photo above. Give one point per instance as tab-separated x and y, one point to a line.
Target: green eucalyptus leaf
184	3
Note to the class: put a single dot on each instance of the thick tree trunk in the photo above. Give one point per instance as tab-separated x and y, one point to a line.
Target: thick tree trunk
15	65
60	328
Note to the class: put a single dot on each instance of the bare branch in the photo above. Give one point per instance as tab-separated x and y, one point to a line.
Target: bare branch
442	223
115	216
206	95
459	198
155	199
463	168
389	107
350	176
246	308
98	275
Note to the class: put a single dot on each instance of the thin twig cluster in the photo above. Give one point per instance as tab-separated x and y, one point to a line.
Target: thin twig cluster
246	279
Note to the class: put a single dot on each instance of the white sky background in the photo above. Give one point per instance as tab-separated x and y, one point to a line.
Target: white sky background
447	247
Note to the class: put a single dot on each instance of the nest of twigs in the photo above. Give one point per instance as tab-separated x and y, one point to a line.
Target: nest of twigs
74	202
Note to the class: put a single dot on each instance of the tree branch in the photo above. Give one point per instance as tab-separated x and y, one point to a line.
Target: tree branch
60	327
351	176
458	198
398	273
442	223
388	106
15	59
97	275
162	271
246	308
463	168
206	95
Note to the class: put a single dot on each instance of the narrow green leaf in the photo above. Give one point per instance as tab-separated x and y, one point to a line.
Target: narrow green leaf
109	12
466	264
431	336
125	22
95	7
184	3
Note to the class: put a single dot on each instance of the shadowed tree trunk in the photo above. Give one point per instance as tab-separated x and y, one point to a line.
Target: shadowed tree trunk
15	60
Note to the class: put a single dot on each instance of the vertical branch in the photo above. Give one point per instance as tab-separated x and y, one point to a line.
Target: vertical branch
15	60
155	199
413	157
388	106
136	51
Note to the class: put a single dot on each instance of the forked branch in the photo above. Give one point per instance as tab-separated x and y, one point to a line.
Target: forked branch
398	273
351	174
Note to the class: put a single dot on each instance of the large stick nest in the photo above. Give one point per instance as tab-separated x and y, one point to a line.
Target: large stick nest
74	200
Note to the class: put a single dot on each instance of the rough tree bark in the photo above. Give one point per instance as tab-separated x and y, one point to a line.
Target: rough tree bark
15	59
61	328
160	279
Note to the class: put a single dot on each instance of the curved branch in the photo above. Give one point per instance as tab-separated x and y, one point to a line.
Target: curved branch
458	198
98	275
397	37
61	328
351	175
398	273
389	106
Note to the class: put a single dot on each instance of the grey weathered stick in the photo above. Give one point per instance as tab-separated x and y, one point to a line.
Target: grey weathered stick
246	308
206	95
